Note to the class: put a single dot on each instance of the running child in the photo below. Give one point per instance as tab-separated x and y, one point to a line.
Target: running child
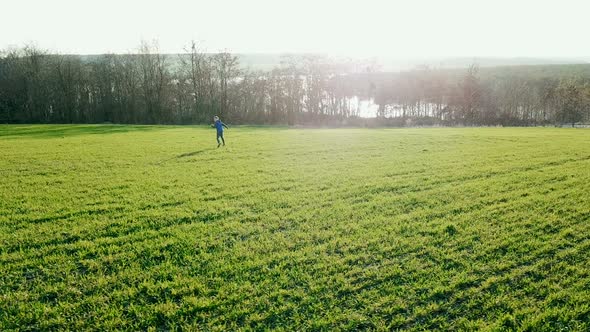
219	126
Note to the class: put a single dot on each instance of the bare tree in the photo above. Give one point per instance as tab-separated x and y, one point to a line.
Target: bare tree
196	66
155	81
226	66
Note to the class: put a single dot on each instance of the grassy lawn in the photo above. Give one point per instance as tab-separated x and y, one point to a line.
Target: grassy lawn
137	227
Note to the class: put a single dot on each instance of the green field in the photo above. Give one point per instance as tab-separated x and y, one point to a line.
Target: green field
139	227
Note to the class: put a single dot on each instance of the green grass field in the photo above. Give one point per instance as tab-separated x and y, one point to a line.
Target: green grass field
133	227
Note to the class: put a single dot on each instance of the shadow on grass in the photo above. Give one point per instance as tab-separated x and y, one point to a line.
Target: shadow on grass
194	153
185	155
58	131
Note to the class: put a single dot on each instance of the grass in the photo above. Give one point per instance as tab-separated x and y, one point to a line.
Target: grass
137	228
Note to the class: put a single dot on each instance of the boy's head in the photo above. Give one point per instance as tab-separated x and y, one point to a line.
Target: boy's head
215	118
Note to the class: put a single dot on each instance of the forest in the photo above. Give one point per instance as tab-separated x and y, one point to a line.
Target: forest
148	87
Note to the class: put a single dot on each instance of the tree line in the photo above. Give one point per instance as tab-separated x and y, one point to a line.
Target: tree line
148	87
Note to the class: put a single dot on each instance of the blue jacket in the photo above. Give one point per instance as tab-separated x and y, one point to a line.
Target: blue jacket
219	125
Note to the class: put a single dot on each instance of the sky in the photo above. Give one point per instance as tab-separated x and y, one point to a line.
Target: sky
417	28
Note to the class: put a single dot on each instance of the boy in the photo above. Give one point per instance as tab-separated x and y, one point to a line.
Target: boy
219	126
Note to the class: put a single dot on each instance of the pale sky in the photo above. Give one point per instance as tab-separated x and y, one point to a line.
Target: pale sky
424	28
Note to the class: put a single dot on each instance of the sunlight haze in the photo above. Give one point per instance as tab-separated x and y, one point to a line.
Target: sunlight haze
398	28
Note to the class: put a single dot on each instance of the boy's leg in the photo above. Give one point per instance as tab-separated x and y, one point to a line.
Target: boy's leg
222	139
218	143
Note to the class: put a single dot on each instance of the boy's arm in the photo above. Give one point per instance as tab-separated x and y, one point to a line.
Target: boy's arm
223	124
